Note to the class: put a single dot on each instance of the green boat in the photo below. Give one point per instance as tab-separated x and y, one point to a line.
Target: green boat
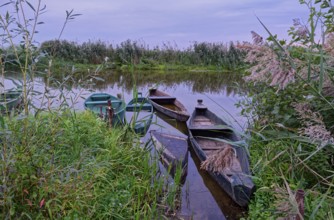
141	120
9	100
99	103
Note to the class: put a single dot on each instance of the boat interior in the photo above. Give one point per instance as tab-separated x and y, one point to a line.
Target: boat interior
140	104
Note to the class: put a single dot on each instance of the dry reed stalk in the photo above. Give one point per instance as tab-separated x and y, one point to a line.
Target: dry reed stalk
219	160
278	67
267	65
328	88
329	48
290	204
313	125
300	196
301	30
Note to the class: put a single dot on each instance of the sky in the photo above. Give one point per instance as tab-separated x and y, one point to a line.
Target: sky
177	22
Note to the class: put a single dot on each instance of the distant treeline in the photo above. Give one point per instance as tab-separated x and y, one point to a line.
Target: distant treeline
222	55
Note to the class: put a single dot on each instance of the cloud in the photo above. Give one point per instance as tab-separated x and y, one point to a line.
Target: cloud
174	20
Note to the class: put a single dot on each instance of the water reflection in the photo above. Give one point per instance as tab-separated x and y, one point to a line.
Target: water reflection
180	126
199	82
209	82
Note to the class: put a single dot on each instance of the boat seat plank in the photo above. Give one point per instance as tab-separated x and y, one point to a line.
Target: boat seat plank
162	98
203	123
101	102
211	148
209	152
139	107
198	127
100	95
202	119
209	145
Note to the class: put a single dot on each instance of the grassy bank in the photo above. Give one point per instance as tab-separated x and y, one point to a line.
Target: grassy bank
281	169
290	109
291	151
62	66
72	166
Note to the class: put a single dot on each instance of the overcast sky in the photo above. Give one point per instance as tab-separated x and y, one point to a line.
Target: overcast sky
176	21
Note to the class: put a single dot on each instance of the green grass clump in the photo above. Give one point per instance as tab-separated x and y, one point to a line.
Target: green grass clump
71	166
280	167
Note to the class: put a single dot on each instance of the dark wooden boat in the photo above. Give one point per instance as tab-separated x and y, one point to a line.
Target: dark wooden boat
211	139
142	118
168	105
10	99
173	151
99	104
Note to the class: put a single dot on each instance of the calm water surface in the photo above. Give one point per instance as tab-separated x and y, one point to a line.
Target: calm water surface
201	196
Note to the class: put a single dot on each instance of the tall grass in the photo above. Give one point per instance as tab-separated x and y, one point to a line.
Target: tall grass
74	167
172	176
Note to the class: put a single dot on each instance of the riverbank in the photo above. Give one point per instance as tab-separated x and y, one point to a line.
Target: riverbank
68	165
60	66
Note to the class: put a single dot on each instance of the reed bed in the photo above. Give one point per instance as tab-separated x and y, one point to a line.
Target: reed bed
219	55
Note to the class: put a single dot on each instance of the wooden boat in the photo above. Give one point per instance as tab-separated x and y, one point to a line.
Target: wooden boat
140	104
228	164
10	99
99	104
168	105
173	151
